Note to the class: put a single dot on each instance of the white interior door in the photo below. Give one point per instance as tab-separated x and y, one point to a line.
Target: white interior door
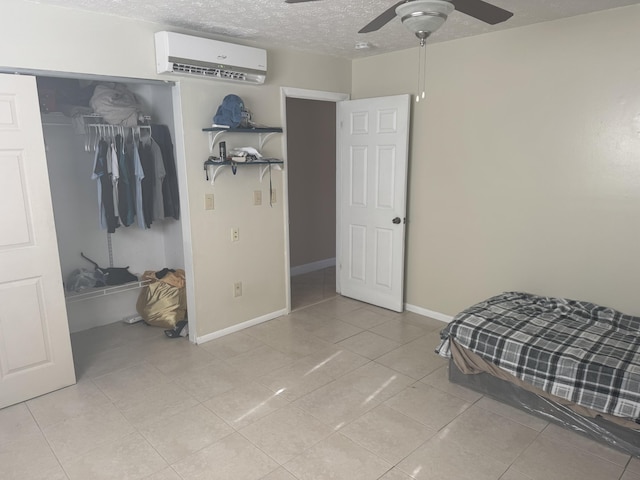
35	348
373	137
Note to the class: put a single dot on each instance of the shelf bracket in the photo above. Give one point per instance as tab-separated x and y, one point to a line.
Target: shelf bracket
213	138
263	137
216	172
263	170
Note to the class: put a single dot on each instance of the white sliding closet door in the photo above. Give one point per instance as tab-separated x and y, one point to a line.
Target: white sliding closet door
35	348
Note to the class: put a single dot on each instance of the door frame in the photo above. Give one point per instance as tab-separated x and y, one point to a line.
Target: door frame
291	92
181	166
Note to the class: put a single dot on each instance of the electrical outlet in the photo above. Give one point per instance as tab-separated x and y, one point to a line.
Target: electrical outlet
274	197
235	234
208	201
257	197
237	289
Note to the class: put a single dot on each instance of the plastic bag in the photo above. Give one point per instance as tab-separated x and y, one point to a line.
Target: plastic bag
163	303
81	279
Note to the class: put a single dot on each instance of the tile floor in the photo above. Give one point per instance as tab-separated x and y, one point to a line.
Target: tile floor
312	287
337	390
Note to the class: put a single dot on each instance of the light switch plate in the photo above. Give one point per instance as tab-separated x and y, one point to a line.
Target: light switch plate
208	201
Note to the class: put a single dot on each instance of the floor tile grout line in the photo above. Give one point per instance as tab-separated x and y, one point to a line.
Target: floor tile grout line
53	452
585	452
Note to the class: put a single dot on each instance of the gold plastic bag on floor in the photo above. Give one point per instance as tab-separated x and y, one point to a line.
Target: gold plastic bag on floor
163	302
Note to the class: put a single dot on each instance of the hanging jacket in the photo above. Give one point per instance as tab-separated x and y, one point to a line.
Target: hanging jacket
148	182
170	195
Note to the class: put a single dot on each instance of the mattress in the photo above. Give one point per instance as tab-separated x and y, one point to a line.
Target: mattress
579	352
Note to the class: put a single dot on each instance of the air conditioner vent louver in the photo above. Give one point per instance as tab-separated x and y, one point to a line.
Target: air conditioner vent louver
206	58
209	72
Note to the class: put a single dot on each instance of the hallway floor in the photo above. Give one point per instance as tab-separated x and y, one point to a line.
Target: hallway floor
339	390
310	288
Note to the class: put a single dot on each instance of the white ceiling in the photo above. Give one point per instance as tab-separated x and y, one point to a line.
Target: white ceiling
326	26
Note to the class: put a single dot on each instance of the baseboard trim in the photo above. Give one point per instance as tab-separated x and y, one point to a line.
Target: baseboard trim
313	266
241	326
428	313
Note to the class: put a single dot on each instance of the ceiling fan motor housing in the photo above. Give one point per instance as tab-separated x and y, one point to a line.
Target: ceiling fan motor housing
423	17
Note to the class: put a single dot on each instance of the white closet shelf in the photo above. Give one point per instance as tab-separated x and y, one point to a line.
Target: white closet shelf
72	297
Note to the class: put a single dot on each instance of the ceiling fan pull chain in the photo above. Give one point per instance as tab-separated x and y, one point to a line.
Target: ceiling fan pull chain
424	69
419	73
422	72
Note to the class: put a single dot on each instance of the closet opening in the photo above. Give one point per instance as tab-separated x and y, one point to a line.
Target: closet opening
125	129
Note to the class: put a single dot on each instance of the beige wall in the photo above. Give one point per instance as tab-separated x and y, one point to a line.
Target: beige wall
524	170
51	38
311	169
525	162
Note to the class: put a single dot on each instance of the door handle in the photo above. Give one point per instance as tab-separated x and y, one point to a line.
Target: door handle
396	220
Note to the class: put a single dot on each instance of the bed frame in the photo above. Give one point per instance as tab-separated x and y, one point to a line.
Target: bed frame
598	428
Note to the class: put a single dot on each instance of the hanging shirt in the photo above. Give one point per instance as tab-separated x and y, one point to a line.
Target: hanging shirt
102	174
114	170
160	173
139	176
95	175
148	182
126	184
170	194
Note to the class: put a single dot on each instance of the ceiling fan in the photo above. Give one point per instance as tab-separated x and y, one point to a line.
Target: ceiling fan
479	9
423	17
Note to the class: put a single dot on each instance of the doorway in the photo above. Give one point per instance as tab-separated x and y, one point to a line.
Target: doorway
310	120
311	149
372	177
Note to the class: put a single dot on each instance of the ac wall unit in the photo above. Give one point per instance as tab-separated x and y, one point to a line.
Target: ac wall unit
202	57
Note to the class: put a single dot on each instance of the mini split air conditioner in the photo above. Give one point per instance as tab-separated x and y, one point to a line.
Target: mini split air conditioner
202	57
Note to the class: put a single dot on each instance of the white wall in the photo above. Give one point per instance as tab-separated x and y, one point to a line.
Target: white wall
58	39
524	168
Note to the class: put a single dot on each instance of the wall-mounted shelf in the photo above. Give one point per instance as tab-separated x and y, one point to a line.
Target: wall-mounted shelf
264	134
264	164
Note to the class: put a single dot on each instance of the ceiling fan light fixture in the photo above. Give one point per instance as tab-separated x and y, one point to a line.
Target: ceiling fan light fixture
423	17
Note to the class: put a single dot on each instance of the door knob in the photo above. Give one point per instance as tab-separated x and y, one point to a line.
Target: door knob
396	220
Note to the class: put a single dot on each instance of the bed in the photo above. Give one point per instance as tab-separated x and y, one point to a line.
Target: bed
573	363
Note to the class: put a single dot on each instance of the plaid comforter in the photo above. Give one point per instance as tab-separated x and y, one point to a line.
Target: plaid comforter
578	351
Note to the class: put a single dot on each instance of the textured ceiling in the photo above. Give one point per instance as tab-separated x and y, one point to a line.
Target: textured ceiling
326	26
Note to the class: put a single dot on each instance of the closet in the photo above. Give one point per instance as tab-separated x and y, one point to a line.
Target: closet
70	141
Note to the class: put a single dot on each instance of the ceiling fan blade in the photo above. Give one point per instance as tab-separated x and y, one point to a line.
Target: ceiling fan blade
298	1
483	11
382	19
